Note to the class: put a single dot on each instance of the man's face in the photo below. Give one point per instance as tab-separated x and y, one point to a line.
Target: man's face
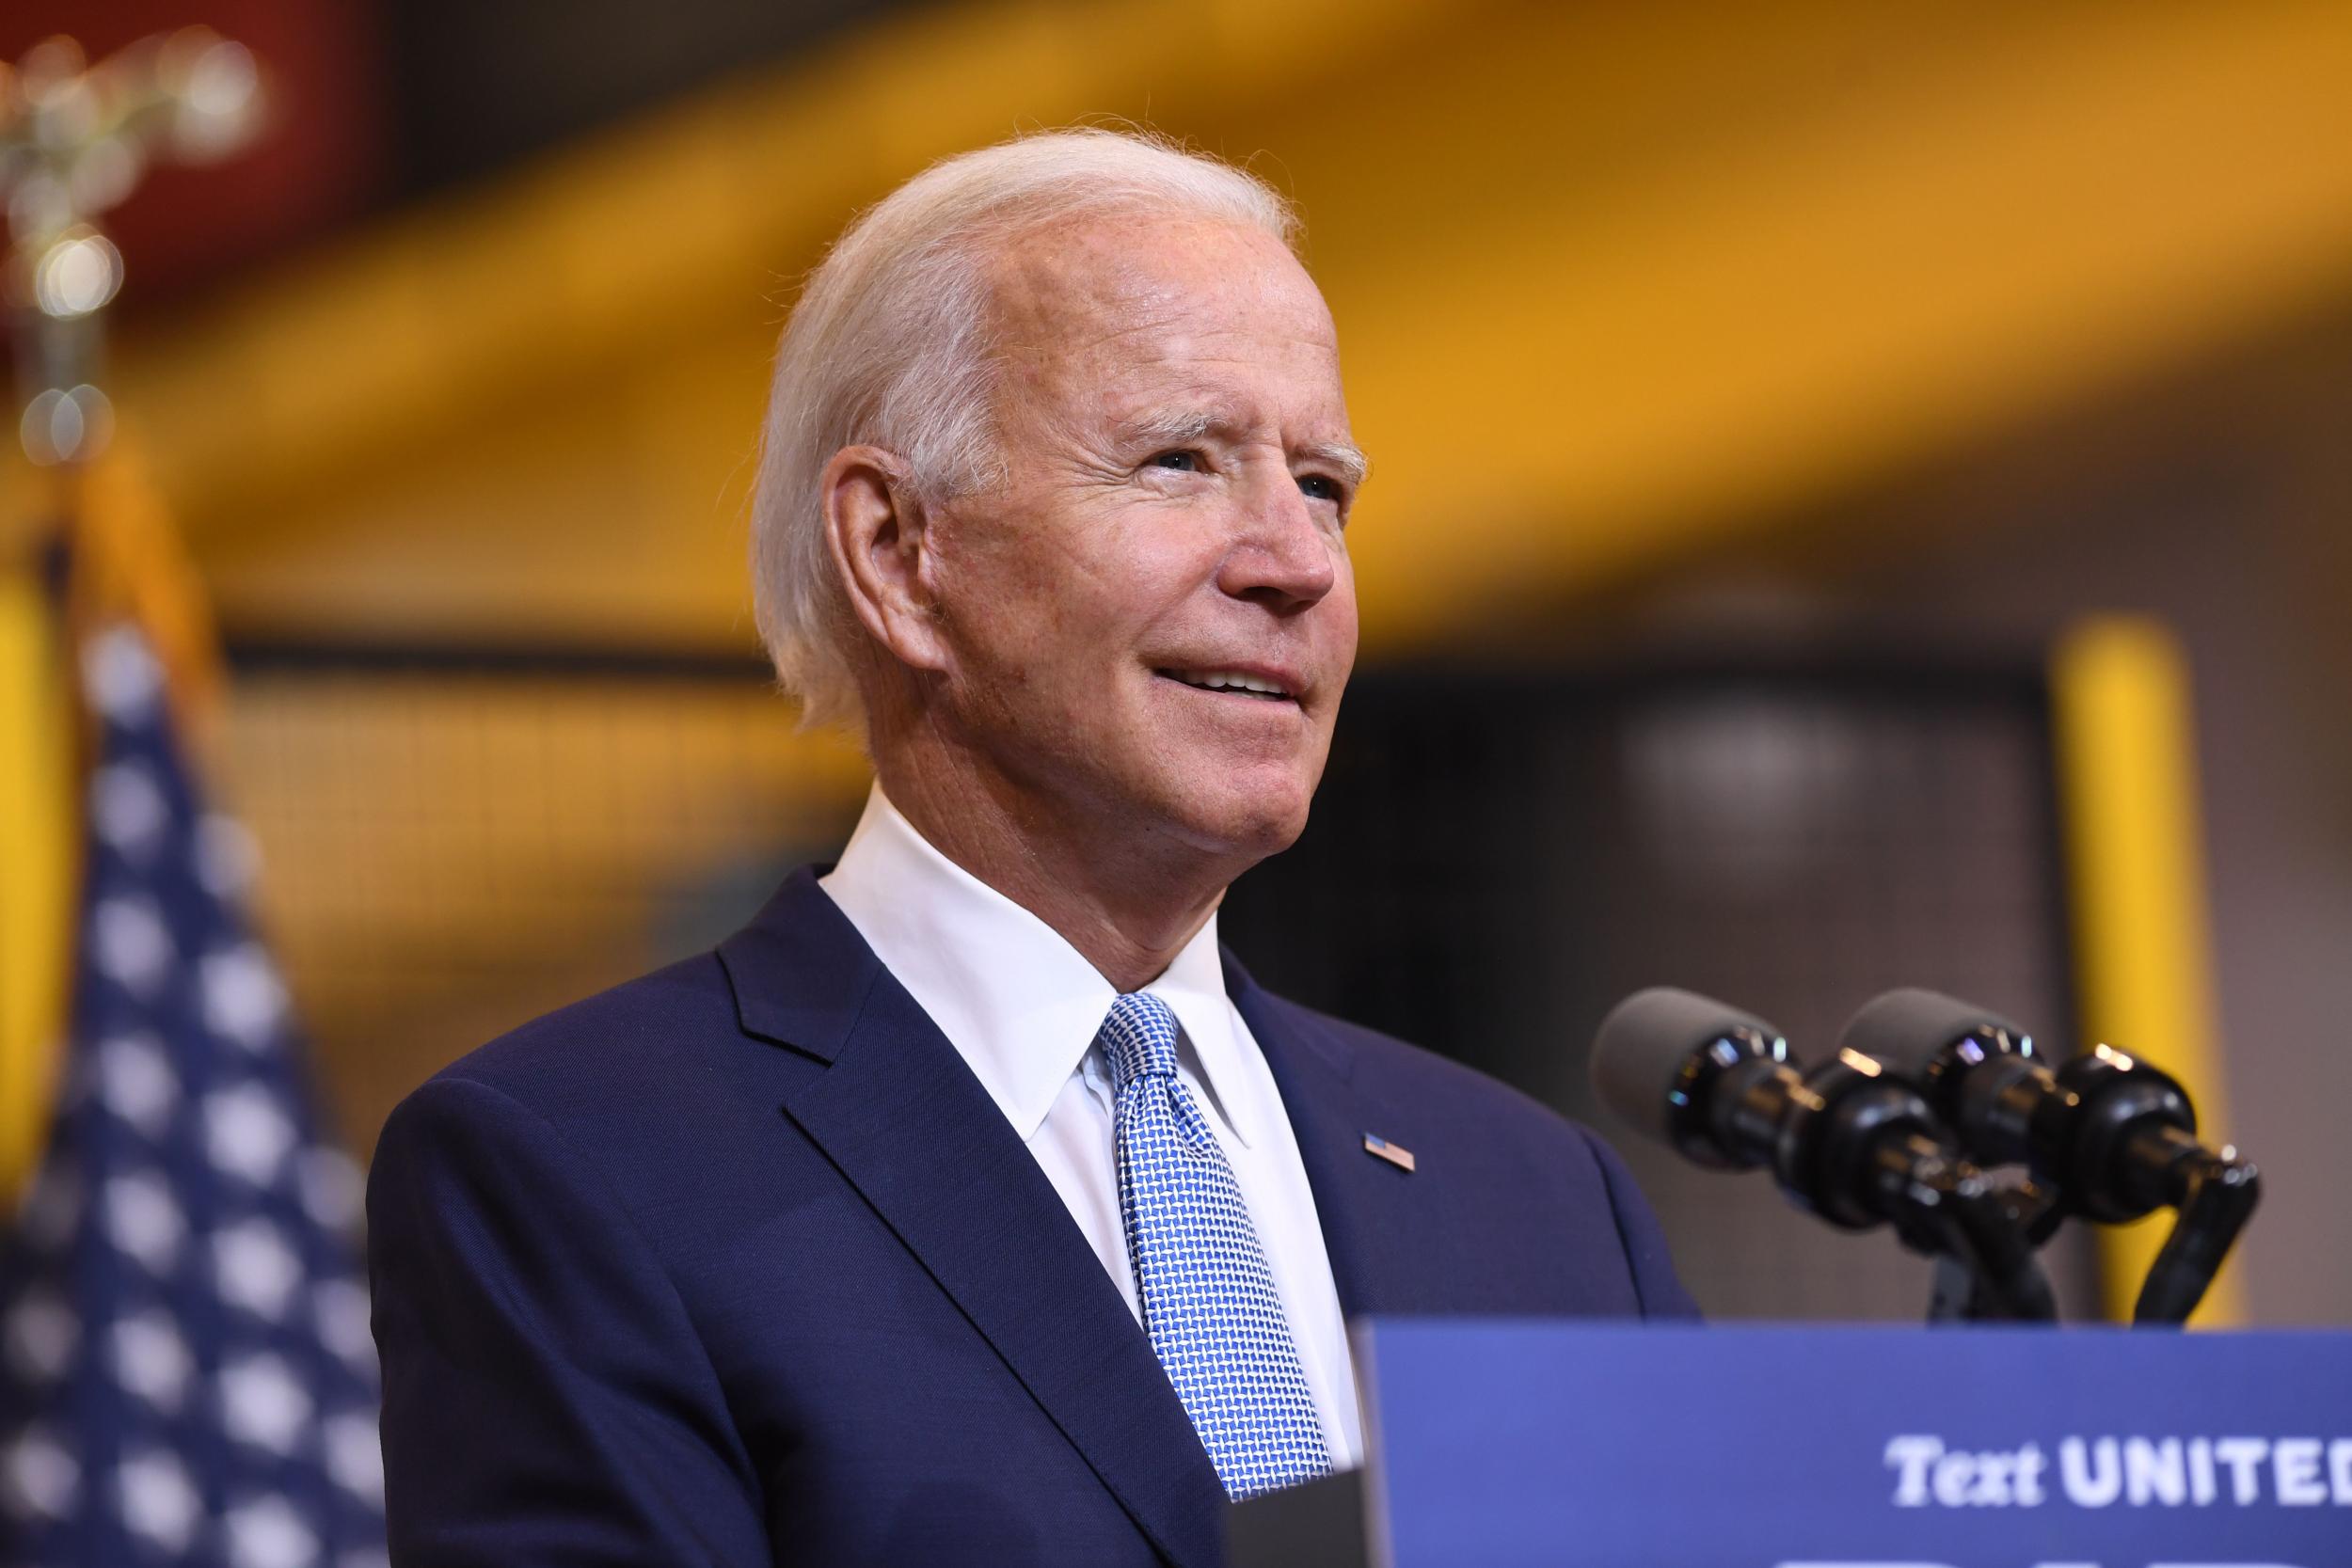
1178	478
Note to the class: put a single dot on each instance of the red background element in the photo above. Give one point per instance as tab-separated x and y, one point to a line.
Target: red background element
320	156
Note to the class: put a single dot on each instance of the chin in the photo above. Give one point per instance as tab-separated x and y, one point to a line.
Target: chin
1247	819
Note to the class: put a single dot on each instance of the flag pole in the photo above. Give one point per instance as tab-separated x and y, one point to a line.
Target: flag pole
75	535
185	1219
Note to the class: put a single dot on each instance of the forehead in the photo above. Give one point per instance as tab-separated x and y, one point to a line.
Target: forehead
1127	305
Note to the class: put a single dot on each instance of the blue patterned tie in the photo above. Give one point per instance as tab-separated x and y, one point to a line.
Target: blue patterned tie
1209	1302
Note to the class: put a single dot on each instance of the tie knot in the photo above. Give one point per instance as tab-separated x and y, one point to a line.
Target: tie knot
1140	1038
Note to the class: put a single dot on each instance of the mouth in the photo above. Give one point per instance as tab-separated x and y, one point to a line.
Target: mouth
1244	684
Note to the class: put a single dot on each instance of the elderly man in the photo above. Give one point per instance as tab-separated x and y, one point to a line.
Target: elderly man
971	1205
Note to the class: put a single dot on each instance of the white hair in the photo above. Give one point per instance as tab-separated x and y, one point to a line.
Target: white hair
890	346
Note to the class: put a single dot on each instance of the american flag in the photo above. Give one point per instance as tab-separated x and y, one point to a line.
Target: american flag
185	1369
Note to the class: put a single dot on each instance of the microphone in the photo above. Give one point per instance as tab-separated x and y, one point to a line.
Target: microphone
2115	1135
1849	1140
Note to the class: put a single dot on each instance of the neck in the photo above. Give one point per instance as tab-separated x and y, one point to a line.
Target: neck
1128	902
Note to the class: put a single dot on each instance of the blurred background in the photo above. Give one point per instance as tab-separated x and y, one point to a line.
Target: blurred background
1864	497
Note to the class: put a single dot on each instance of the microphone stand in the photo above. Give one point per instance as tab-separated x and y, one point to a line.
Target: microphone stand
1947	1209
1959	1296
1859	1148
2213	1194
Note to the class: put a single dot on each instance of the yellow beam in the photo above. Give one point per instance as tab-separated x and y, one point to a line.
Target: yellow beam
698	217
1957	232
1614	283
2127	777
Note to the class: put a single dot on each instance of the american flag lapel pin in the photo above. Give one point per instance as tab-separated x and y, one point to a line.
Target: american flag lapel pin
1395	1154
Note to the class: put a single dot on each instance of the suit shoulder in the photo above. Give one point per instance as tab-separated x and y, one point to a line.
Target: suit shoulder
621	1042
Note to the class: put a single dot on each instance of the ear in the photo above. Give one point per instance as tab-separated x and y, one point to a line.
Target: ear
874	529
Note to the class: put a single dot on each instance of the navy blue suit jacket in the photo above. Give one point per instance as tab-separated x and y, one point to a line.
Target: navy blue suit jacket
739	1263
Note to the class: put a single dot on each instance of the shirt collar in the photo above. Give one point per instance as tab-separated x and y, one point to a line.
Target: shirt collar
1013	996
1193	985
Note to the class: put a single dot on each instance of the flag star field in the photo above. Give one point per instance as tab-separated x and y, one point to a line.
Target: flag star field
185	1371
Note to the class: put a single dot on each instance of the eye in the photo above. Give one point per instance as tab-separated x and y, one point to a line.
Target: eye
1183	460
1321	487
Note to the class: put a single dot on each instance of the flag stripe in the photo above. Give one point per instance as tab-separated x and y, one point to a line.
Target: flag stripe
186	1373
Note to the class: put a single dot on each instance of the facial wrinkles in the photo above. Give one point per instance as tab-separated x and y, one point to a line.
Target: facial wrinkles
1251	434
1121	325
1080	335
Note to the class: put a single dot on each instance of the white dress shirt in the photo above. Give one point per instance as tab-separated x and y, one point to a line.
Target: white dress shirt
1022	1007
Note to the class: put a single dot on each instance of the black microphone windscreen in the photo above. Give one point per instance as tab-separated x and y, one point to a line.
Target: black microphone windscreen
1908	1029
1644	1043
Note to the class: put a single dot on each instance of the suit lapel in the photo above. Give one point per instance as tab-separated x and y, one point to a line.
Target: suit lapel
1361	1202
906	1122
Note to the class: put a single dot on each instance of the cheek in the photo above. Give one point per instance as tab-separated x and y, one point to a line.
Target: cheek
1041	637
1002	588
1054	605
1099	603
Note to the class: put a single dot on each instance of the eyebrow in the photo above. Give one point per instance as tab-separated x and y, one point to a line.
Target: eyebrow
1177	429
1345	456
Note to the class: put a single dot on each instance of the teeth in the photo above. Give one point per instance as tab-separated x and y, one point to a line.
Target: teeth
1227	680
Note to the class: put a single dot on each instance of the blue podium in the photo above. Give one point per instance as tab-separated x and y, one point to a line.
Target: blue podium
1497	1443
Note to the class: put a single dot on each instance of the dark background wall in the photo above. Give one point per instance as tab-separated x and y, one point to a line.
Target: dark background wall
2219	500
1498	856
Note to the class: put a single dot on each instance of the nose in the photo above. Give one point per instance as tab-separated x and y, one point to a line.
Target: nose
1283	556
